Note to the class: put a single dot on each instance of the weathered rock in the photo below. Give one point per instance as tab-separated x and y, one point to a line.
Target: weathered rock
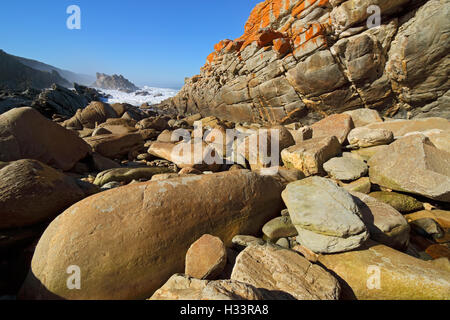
346	169
401	202
26	134
338	125
310	155
402	277
385	224
424	171
182	287
364	137
32	192
274	268
127	175
136	231
115	146
363	117
206	258
158	123
280	227
326	217
95	113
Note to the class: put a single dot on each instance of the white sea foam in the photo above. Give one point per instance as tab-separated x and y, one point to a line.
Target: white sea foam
153	95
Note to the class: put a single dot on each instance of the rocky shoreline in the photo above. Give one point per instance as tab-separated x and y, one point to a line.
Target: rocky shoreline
309	160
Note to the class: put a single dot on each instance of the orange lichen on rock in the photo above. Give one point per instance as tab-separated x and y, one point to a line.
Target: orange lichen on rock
222	44
282	46
211	58
262	27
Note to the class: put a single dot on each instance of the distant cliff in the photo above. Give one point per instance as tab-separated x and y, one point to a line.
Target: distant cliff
17	76
302	60
114	82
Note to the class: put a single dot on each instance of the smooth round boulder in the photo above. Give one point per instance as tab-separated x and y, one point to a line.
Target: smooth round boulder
26	134
32	192
127	242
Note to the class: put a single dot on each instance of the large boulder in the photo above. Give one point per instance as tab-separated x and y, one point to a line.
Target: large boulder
365	137
377	272
32	192
26	134
143	231
326	217
274	268
414	165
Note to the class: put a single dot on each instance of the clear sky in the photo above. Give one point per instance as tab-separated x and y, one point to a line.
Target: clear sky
152	42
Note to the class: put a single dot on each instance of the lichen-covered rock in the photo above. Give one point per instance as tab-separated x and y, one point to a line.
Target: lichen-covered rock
401	202
143	231
274	268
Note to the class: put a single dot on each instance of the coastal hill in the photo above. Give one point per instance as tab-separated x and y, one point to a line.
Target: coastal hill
18	76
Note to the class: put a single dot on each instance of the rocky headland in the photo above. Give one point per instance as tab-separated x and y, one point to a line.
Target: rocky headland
114	82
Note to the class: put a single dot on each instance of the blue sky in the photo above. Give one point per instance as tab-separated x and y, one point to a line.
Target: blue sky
153	42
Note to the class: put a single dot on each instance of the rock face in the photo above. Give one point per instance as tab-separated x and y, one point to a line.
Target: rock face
303	60
136	231
274	268
26	134
114	82
326	217
206	258
424	171
32	192
402	277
